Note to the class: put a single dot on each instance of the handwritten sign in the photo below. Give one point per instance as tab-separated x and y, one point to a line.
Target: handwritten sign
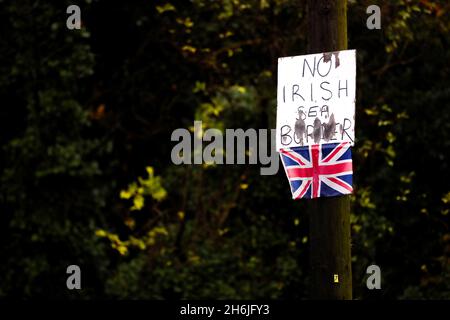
316	99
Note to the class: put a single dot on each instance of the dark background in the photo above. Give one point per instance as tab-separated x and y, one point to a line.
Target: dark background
86	176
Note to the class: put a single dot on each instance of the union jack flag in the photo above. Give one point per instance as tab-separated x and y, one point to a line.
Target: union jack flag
319	170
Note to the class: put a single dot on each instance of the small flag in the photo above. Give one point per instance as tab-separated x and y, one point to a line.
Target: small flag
319	170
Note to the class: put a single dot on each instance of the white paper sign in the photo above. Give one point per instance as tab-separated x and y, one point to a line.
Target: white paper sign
316	99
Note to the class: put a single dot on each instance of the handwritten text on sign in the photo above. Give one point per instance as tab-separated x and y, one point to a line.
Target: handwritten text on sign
316	99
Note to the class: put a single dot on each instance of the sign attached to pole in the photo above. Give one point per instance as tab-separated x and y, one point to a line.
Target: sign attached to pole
316	99
316	122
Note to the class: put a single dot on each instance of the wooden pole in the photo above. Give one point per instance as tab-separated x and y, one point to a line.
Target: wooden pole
329	218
